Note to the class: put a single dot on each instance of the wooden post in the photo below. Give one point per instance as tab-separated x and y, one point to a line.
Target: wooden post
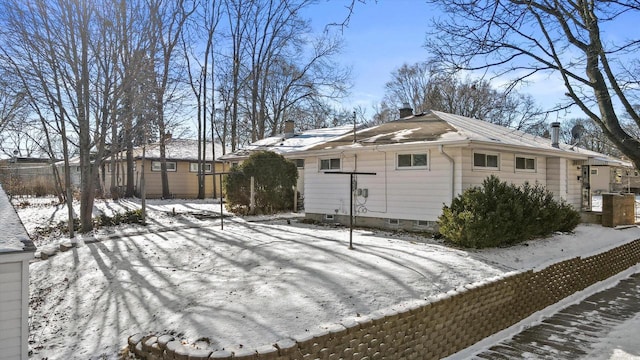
252	201
295	198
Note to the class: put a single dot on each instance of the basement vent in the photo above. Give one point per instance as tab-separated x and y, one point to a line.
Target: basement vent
394	222
328	217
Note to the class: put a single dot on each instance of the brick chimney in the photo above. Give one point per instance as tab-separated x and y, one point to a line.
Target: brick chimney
405	110
289	126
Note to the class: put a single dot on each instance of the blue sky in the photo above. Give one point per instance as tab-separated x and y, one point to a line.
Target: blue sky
384	34
380	37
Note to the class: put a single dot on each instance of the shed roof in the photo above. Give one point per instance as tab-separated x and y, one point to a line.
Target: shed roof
14	237
176	149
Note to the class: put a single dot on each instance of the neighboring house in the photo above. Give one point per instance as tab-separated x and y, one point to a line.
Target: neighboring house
74	171
607	176
423	161
15	252
289	143
182	169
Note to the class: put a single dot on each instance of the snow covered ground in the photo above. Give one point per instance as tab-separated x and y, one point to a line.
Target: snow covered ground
257	281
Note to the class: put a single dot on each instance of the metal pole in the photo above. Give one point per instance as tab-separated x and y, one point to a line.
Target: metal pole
221	217
351	214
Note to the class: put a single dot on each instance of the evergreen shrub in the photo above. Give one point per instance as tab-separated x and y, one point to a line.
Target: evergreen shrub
501	214
274	181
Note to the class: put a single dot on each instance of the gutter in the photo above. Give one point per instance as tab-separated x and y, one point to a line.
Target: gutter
453	169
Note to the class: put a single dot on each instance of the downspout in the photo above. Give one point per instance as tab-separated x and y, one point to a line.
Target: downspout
453	169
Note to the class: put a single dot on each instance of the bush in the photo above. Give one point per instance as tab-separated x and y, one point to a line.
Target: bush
501	214
128	217
274	180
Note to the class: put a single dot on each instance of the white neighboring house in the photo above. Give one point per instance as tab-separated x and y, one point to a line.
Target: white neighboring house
423	161
609	176
74	171
16	249
289	143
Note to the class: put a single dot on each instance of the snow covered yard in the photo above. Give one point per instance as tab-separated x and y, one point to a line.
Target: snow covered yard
250	284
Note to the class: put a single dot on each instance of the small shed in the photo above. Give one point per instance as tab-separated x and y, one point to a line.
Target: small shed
16	249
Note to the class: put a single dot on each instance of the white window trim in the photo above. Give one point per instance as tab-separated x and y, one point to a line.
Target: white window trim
488	168
194	169
526	157
330	169
158	167
412	167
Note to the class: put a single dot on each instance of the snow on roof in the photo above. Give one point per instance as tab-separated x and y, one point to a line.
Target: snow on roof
298	142
176	149
14	237
441	128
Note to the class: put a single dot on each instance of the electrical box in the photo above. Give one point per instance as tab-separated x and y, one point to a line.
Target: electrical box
365	193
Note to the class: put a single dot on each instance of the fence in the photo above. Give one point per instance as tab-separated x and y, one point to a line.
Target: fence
28	179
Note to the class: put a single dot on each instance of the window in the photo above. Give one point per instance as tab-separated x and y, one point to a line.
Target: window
171	166
330	164
412	161
482	160
299	163
524	163
193	167
594	171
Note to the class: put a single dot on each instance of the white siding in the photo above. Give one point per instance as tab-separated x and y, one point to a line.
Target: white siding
574	185
413	194
563	181
419	194
13	308
506	169
556	177
600	182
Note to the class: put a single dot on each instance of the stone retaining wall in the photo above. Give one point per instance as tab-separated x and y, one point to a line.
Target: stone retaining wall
429	331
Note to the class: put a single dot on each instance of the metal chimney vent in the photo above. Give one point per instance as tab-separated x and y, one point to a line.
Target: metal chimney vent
555	134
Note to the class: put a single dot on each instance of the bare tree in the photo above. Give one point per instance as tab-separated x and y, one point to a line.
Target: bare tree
204	23
566	38
13	101
425	89
277	67
53	48
168	20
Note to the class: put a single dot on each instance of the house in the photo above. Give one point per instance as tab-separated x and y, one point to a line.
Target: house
610	176
422	162
287	144
75	175
16	249
182	169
